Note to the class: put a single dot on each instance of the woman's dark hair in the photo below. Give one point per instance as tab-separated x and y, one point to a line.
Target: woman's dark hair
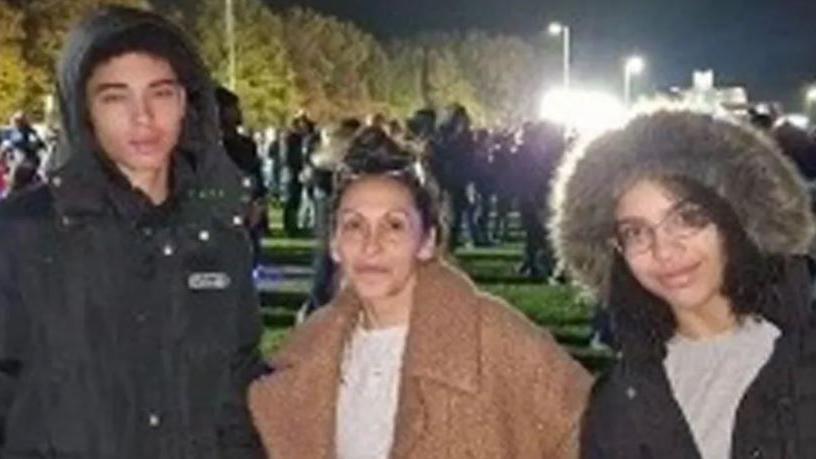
748	275
373	153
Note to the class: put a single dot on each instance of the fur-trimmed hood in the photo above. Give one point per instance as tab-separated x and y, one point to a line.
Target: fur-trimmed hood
740	164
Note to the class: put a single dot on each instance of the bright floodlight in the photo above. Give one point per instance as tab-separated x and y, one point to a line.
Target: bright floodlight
588	112
635	65
556	28
811	94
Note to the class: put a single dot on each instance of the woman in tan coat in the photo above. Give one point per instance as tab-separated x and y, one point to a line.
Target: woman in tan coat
411	360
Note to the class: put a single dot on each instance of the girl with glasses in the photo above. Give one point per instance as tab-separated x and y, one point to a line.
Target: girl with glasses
693	229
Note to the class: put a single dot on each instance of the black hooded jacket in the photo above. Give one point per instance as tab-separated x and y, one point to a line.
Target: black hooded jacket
633	414
128	330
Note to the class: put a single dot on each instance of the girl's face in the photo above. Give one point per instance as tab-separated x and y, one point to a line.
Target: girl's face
672	248
379	240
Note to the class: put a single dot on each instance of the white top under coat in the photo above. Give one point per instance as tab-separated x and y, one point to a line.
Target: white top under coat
369	392
709	378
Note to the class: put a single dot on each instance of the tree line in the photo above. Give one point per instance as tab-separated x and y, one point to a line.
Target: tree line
298	59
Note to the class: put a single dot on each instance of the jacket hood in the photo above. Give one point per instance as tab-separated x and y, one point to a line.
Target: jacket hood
113	31
740	164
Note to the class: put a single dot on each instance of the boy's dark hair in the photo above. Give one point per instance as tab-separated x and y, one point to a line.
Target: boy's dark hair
149	39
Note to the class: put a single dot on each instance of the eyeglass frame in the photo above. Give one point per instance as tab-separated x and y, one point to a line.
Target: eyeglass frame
412	170
674	211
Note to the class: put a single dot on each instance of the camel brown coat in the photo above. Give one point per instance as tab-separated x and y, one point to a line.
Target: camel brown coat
478	381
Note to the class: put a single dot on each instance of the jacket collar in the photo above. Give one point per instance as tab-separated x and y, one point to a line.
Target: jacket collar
443	344
87	186
443	324
91	186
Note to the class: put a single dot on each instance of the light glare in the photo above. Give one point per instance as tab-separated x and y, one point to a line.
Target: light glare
811	94
588	112
635	65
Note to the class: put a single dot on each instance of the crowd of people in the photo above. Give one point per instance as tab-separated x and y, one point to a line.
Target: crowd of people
130	325
484	174
22	149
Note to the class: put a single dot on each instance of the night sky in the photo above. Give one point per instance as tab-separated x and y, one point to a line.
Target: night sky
769	46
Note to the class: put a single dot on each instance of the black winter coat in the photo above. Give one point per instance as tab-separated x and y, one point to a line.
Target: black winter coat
633	414
128	330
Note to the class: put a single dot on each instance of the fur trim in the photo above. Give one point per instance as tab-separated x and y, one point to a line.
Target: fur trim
740	164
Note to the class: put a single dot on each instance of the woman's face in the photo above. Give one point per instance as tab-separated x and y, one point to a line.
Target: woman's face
671	246
378	239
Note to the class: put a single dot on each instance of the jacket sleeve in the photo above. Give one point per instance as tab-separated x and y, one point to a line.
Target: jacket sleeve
238	438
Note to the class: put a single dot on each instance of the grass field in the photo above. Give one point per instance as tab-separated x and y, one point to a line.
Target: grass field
558	308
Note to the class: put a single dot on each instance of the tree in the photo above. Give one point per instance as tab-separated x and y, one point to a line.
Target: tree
404	77
264	75
39	29
497	77
300	59
506	73
427	73
12	68
339	69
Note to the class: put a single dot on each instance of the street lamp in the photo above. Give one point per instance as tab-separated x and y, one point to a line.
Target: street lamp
633	66
230	26
557	29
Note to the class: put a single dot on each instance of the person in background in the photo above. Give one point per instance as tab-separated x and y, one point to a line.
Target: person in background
24	139
541	147
452	161
294	148
243	151
325	162
25	176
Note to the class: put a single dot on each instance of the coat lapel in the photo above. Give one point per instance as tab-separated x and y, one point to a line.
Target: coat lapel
442	354
294	407
661	413
442	351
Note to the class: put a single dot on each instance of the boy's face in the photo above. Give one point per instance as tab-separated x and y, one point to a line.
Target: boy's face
137	107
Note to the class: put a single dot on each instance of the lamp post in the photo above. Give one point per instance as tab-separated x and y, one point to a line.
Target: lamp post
557	29
229	15
633	66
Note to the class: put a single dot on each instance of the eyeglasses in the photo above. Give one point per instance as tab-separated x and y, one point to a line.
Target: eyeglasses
684	220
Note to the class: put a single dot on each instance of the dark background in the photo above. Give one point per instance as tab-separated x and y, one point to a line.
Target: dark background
768	46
